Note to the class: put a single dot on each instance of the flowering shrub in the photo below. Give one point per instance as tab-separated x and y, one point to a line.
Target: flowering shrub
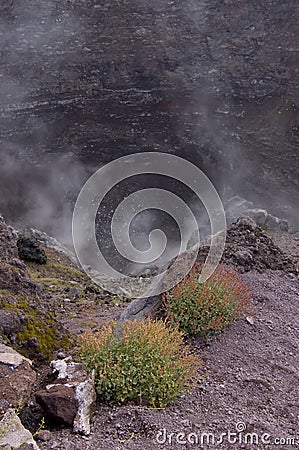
206	308
148	362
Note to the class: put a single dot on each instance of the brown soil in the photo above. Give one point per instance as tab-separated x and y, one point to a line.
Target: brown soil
247	377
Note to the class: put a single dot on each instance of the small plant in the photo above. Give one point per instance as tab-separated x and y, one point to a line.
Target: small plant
40	427
206	308
148	362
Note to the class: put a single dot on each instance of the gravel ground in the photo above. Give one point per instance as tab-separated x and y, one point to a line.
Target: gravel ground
247	382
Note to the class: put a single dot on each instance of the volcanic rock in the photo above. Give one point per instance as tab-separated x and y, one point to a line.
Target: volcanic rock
50	242
30	250
249	247
59	403
71	397
43	435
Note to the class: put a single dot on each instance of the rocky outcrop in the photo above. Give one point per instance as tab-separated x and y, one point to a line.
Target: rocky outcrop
26	322
16	379
13	274
248	247
59	403
13	435
70	399
50	242
8	248
236	207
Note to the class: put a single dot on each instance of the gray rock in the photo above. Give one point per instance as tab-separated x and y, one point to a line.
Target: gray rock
276	224
68	370
150	305
247	223
141	308
268	221
250	320
237	206
13	433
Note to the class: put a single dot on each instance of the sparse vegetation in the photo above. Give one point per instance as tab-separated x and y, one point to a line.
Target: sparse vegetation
147	363
206	308
39	328
56	271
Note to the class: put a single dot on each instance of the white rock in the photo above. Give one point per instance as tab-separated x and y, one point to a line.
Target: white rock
86	397
67	369
250	320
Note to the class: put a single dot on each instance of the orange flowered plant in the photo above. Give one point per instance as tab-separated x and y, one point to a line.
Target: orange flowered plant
207	308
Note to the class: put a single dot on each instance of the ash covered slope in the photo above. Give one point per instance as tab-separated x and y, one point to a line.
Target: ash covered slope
212	80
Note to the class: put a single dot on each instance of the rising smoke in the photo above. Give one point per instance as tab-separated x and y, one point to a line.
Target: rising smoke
219	105
37	187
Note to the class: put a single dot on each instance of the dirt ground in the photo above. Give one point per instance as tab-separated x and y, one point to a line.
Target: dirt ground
246	392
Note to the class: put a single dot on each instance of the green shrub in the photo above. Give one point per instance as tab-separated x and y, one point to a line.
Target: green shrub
148	362
206	308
